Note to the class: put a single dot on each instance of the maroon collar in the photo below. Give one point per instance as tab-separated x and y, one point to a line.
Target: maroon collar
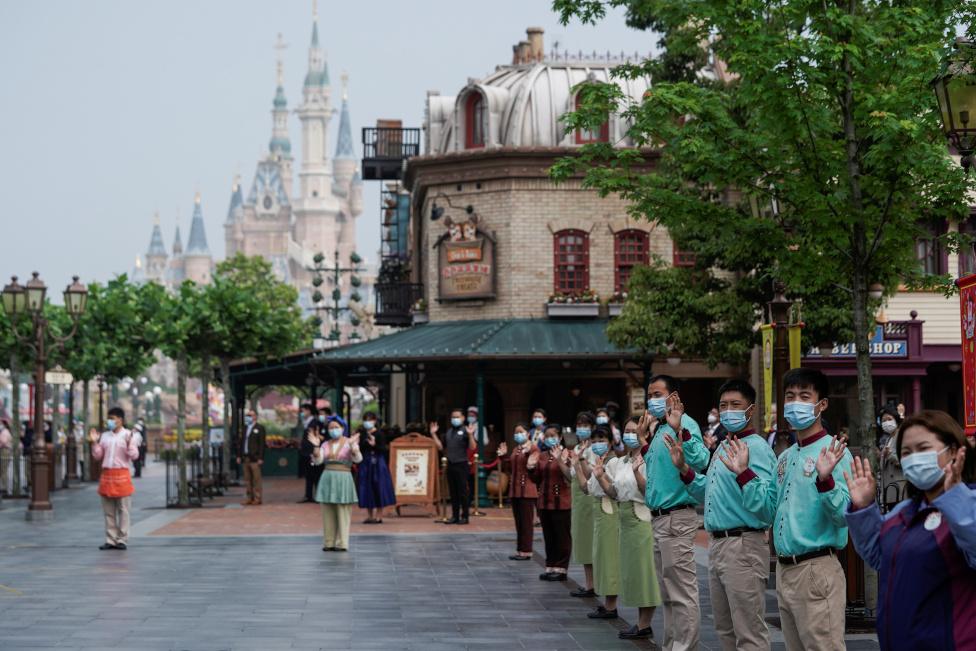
741	435
811	439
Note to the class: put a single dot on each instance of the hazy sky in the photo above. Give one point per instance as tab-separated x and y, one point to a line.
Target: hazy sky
112	110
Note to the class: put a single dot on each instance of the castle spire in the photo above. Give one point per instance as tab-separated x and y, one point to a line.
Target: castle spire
318	74
280	144
156	246
344	146
197	244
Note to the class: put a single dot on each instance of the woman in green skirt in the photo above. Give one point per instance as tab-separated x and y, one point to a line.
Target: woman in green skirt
336	491
582	512
606	528
625	481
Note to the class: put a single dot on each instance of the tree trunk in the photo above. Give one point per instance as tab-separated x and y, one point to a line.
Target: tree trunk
230	414
205	413
181	372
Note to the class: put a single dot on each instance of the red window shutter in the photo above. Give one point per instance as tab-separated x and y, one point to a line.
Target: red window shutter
571	262
475	123
682	258
588	136
631	247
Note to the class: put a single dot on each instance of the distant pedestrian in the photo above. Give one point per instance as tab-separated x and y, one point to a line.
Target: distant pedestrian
522	492
891	476
336	491
6	454
115	448
455	443
139	436
250	454
373	478
715	432
549	468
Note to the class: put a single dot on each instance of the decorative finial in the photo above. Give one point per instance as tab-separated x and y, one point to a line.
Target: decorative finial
315	10
280	46
237	182
156	218
138	262
196	199
345	86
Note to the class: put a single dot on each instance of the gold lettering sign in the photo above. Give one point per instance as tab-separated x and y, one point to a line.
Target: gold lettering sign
466	267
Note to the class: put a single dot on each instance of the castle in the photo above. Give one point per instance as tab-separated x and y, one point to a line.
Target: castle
273	220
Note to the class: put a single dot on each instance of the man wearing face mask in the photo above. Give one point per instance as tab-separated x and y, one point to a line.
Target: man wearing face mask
115	448
673	514
538	430
807	502
455	443
251	456
737	536
312	472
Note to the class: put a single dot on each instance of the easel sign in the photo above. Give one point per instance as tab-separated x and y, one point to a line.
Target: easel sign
413	465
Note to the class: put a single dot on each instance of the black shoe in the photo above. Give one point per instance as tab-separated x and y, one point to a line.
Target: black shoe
340	549
452	521
463	521
552	576
603	613
304	501
121	546
583	593
518	557
106	546
634	633
328	549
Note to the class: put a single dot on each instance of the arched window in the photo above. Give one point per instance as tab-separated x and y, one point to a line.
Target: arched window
571	262
630	248
476	118
584	136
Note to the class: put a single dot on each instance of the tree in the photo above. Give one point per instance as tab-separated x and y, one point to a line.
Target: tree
812	162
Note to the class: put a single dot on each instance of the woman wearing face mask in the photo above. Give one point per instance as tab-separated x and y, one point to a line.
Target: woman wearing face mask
336	491
538	429
374	481
590	475
924	550
891	477
522	492
548	468
583	505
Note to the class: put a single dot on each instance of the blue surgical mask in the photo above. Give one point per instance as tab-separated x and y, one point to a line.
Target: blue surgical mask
734	420
248	420
600	448
335	432
800	415
631	440
521	438
472	419
369	425
602	420
456	422
922	469
657	406
321	418
110	424
537	421
583	433
552	442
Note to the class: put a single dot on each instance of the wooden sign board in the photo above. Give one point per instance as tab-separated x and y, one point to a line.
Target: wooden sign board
413	465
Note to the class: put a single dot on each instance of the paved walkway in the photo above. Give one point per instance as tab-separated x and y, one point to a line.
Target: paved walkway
190	581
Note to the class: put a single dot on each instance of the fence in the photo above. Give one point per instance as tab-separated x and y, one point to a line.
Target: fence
194	477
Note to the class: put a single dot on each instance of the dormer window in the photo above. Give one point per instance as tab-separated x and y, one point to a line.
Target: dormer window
585	136
476	117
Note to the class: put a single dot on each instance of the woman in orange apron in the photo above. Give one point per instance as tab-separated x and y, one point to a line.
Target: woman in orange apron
116	449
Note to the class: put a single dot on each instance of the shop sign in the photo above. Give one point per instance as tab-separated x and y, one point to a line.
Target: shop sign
967	314
879	347
465	262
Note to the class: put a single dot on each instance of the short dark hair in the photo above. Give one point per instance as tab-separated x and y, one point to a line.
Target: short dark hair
311	408
541	411
802	378
522	425
585	417
117	411
670	382
458	410
602	432
554	426
747	390
603	410
369	415
950	434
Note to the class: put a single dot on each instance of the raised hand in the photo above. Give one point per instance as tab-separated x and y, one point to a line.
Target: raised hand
677	453
471	429
354	440
953	470
502	450
433	428
676	410
735	456
829	456
533	458
314	439
710	440
93	435
862	485
598	469
636	463
644	424
371	440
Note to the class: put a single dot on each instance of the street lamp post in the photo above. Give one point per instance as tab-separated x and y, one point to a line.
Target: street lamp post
955	89
19	301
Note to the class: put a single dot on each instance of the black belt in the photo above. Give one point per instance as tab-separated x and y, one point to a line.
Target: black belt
796	560
658	512
737	532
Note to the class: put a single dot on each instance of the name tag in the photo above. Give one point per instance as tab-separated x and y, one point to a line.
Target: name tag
809	465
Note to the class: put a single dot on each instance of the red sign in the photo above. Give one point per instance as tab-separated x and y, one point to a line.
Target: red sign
967	314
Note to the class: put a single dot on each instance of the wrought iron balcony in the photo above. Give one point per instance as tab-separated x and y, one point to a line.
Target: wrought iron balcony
385	149
394	302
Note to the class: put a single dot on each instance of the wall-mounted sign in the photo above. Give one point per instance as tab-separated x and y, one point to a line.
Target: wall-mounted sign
880	347
967	313
465	262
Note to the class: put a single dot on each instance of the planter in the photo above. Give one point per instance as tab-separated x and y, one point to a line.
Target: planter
614	309
280	462
420	317
573	310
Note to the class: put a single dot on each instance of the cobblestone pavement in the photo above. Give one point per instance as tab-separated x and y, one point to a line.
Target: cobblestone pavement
424	588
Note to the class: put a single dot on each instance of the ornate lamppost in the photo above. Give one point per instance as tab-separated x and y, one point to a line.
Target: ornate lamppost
955	89
20	301
334	274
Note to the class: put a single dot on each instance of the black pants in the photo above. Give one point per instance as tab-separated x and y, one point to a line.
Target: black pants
312	475
137	466
457	483
523	510
558	536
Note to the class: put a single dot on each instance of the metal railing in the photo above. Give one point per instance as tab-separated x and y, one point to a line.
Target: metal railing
390	143
394	302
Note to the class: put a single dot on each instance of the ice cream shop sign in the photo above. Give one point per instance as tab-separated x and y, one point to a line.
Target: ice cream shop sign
465	262
880	347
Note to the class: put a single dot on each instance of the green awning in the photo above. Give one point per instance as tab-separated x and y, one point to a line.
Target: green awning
486	340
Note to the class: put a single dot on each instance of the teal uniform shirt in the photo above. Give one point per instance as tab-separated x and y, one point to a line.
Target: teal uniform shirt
719	490
807	515
665	490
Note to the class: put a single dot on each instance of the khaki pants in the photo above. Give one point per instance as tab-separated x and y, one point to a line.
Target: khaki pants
252	480
737	576
116	510
812	597
335	525
674	560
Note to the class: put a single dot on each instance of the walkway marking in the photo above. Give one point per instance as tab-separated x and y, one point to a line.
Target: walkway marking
11	590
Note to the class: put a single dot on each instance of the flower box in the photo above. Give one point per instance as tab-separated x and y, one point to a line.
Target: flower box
420	317
614	309
573	310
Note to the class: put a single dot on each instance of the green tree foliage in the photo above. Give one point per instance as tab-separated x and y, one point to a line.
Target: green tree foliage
814	161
